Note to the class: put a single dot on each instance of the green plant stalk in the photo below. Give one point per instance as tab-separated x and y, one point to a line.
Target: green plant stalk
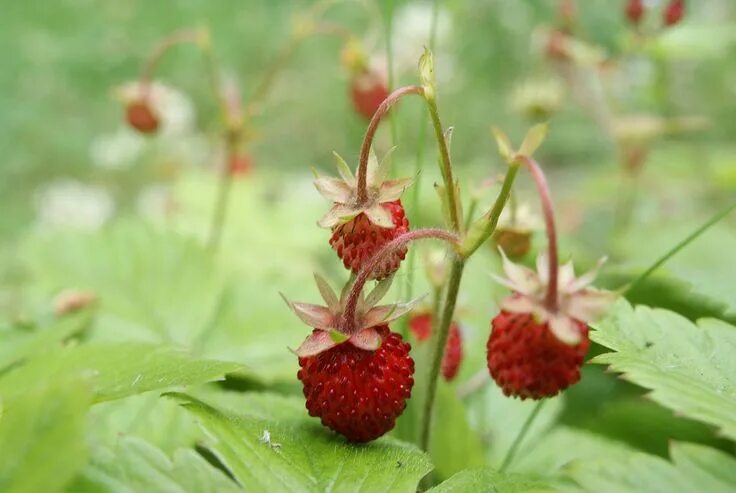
439	341
421	137
219	213
456	222
520	436
387	31
495	212
682	244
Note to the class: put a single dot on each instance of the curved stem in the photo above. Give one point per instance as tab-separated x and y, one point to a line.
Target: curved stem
549	223
173	39
349	314
522	433
371	132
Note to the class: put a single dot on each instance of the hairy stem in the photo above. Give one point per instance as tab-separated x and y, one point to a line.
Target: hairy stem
520	437
371	132
495	213
439	341
421	137
445	166
549	223
349	315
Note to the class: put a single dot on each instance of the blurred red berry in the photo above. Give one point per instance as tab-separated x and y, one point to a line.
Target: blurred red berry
421	326
141	116
674	12
367	91
526	359
239	165
635	11
356	392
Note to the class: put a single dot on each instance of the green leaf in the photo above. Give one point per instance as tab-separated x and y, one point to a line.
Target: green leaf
117	370
711	470
138	466
42	437
18	345
488	480
694	468
454	444
689	368
293	452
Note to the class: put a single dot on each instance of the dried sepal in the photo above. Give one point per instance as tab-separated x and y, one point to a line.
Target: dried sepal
315	343
338	214
319	317
384	314
327	293
333	189
344	170
368	339
379	216
576	300
378	292
391	190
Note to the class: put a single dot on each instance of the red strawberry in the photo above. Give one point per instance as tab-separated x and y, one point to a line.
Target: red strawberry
359	393
421	326
357	375
535	351
361	228
367	91
635	11
674	12
239	165
140	116
359	239
527	360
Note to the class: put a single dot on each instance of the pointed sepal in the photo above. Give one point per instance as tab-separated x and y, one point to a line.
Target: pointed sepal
368	339
384	314
315	343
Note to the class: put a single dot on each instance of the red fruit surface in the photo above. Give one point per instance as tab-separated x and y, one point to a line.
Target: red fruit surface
359	239
239	165
674	12
421	327
527	360
141	117
359	393
635	11
367	91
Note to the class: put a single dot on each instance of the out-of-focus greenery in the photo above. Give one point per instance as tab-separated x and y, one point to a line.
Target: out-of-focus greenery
138	247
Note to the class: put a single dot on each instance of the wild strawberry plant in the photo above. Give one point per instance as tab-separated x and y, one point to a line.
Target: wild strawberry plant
155	357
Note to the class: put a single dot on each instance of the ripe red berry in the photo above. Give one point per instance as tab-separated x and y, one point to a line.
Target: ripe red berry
635	11
239	165
674	12
357	240
141	116
526	359
421	326
367	91
359	393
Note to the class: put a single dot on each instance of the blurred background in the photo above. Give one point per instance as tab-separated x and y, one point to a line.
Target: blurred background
641	151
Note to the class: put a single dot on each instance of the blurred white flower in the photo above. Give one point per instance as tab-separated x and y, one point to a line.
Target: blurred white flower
71	204
411	32
155	203
537	98
173	106
118	150
522	218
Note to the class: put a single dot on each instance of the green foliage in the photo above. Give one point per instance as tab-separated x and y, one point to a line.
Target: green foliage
689	368
289	451
42	443
116	370
693	468
487	480
137	466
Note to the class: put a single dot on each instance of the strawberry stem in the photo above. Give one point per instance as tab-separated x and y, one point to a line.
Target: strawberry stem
349	321
174	39
520	437
370	132
549	223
